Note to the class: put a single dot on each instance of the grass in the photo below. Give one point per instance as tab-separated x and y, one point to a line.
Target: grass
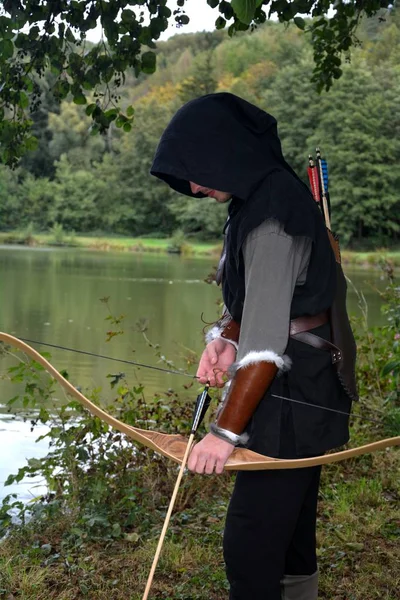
358	535
155	245
113	243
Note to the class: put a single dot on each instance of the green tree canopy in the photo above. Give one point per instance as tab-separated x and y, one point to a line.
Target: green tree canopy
37	35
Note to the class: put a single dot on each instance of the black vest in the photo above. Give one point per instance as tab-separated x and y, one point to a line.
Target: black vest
279	425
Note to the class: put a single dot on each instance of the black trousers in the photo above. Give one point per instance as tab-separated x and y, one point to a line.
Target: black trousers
270	531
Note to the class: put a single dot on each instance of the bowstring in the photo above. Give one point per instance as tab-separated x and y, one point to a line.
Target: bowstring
176	372
120	360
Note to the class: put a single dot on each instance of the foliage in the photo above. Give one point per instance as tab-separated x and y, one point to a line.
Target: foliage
35	36
378	362
101	183
99	483
94	533
200	79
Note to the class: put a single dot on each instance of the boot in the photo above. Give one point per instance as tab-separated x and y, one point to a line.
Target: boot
300	587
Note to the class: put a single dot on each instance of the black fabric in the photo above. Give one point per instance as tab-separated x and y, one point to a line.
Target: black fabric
270	526
312	378
284	198
222	142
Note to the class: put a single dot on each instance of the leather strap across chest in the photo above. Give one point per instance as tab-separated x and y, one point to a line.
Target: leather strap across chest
300	331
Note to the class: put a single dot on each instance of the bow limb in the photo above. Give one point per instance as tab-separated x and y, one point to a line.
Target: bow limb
174	446
168	445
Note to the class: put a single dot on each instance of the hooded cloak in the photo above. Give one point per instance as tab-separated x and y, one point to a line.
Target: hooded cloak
222	142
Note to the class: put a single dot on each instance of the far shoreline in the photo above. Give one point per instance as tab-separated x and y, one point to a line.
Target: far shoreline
186	247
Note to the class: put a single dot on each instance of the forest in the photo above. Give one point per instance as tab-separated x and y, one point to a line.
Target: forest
92	184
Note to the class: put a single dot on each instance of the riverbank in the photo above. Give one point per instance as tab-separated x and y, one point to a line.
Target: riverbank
358	548
94	535
177	244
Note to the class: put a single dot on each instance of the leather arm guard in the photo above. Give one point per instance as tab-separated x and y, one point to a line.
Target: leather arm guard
246	390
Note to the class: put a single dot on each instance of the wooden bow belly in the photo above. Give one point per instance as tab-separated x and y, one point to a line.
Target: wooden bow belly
174	446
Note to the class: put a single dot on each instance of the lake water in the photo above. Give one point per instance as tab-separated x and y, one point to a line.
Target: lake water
54	296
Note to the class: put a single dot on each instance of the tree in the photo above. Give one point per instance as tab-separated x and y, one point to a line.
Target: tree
359	125
37	35
200	80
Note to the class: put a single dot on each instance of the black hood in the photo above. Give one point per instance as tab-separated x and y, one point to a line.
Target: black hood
222	142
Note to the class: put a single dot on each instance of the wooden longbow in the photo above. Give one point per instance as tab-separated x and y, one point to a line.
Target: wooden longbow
174	446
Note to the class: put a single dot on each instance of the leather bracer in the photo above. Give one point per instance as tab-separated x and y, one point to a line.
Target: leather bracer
246	390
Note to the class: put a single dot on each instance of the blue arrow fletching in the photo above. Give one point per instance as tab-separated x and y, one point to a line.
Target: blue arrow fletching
324	167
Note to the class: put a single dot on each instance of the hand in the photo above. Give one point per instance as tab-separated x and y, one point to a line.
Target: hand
215	361
210	453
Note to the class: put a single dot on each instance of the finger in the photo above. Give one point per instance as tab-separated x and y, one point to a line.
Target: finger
202	372
210	464
219	466
201	463
220	377
192	459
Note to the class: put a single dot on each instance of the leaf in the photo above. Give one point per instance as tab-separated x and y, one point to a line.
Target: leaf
356	546
69	36
80	99
299	22
132	537
23	100
130	111
6	49
90	108
31	144
245	10
148	62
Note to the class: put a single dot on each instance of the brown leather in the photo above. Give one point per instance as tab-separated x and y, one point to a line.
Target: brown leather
335	246
341	332
306	323
320	343
246	390
231	331
343	337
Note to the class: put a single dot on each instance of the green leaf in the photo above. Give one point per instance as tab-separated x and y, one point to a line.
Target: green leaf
299	22
148	62
31	144
127	127
213	3
245	10
80	99
23	100
121	120
130	111
69	36
61	88
6	49
90	108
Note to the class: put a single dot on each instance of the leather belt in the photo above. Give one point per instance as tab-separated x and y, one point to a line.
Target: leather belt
306	323
300	330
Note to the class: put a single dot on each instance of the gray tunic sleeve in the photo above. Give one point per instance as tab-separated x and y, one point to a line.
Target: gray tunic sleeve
274	263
